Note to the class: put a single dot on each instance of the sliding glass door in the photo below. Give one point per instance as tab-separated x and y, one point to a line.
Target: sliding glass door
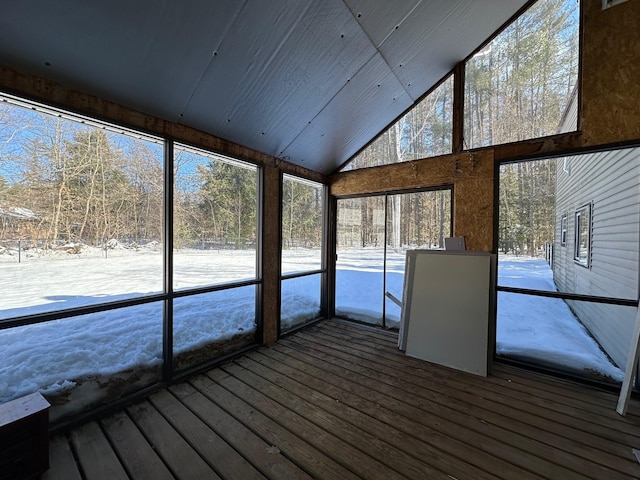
372	236
360	258
303	265
415	221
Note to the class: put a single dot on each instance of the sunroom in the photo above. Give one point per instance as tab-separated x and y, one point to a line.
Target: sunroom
205	214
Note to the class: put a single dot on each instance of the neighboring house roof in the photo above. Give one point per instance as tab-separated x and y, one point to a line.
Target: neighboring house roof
569	120
18	213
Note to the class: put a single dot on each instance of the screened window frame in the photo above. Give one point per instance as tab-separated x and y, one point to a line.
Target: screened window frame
458	141
577	86
210	287
322	271
168	294
628	302
450	76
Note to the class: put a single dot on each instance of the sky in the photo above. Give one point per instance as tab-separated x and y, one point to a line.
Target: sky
57	357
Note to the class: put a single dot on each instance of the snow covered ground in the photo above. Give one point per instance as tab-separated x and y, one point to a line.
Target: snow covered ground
57	357
537	329
543	330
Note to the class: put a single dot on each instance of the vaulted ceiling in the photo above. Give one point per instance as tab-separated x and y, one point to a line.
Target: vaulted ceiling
311	81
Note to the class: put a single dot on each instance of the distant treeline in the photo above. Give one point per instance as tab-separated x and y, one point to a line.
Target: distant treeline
62	181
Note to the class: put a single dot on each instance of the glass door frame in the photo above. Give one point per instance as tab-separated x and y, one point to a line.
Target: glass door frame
333	254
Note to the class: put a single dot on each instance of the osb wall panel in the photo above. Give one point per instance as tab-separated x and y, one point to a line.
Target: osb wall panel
473	212
537	147
57	95
470	175
611	69
271	255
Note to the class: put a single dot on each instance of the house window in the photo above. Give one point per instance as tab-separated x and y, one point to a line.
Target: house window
563	230
582	250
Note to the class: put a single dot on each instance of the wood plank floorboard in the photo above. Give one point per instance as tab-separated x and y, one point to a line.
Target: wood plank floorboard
339	401
507	411
543	383
360	408
357	430
331	443
393	404
227	462
97	458
132	448
180	457
63	464
456	422
510	391
238	436
310	459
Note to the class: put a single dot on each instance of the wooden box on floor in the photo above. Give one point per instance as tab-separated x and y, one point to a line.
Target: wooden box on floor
24	437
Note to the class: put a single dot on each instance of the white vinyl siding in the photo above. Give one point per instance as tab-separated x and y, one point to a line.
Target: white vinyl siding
569	121
610	182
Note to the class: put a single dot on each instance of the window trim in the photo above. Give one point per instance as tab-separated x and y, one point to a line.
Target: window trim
564	223
578	222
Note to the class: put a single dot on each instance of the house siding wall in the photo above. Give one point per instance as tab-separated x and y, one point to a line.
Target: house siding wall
609	181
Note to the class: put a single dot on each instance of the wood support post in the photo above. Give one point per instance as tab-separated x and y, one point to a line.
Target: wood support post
271	231
458	108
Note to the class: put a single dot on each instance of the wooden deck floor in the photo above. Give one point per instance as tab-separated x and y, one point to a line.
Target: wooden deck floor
340	402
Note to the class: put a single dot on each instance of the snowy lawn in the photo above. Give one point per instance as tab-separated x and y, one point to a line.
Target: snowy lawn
543	330
56	357
536	329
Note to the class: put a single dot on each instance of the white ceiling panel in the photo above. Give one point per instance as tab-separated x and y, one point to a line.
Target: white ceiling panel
291	78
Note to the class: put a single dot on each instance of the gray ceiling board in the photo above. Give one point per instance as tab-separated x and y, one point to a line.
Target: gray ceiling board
146	58
311	63
359	111
380	19
324	53
290	78
439	34
222	102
